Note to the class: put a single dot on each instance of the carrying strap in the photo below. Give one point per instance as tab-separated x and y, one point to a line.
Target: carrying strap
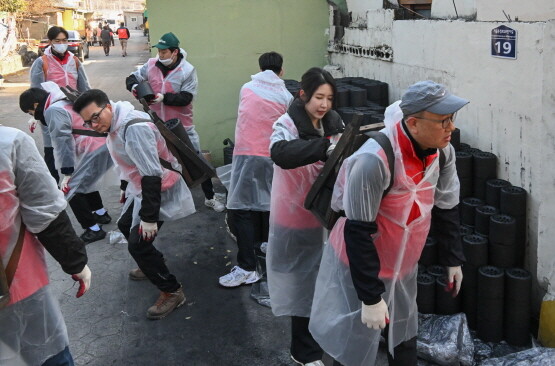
16	254
385	144
166	164
91	133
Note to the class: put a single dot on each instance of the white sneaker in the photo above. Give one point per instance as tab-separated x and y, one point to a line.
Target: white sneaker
239	276
214	204
313	363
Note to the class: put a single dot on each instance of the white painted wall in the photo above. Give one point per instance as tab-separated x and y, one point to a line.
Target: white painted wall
512	109
546	232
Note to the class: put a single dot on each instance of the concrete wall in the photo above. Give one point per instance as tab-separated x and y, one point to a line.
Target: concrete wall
512	105
224	39
129	23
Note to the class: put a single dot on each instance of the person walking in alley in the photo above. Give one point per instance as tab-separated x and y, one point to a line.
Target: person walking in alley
261	102
33	218
154	194
367	277
123	35
174	81
82	159
106	38
62	67
89	36
301	142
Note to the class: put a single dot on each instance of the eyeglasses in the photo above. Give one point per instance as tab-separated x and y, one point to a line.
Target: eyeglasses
58	40
444	122
94	118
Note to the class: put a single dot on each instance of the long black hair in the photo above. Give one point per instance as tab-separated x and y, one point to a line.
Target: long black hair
313	78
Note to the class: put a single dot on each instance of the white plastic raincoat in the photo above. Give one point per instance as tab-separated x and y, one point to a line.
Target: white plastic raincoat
403	218
262	101
32	328
182	78
88	155
68	71
296	237
136	152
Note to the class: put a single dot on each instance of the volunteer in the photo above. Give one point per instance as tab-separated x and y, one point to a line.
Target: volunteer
62	67
32	219
82	159
301	141
368	272
154	194
262	101
174	81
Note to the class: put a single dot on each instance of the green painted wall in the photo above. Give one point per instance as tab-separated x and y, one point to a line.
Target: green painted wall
224	38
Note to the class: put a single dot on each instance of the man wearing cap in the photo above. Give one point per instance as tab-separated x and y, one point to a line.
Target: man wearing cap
367	277
174	81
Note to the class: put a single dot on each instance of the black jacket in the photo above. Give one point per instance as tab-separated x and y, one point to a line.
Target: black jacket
310	147
61	241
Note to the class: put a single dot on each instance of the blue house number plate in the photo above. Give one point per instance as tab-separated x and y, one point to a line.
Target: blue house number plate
503	42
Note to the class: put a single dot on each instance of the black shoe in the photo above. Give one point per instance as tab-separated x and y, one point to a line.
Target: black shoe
102	219
90	236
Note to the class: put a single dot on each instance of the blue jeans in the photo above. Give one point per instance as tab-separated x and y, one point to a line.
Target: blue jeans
61	359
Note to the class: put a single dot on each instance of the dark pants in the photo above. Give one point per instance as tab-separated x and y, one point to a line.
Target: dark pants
61	359
148	258
106	46
49	160
303	347
208	189
251	229
405	353
83	205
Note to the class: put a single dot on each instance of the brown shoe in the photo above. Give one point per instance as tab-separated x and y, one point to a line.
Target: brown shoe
166	303
137	275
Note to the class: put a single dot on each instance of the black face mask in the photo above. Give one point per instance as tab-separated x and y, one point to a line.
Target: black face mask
39	112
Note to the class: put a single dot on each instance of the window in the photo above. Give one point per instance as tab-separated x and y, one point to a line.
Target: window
414	8
133	19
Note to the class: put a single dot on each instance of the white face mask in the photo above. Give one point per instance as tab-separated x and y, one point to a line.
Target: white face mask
59	47
166	62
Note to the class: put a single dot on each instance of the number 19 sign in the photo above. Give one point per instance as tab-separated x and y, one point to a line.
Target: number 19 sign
503	42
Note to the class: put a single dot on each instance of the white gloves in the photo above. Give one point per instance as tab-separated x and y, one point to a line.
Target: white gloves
330	150
134	90
32	124
148	230
375	316
84	278
64	186
159	97
454	274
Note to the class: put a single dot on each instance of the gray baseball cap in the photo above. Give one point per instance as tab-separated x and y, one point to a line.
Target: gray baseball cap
431	97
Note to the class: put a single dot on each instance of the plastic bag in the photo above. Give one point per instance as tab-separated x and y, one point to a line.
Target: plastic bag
259	290
116	237
224	173
445	340
538	356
